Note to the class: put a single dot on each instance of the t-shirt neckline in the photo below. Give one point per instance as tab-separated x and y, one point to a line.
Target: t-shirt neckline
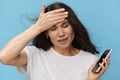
63	56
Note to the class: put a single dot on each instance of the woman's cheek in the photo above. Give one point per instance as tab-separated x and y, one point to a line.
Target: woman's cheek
53	35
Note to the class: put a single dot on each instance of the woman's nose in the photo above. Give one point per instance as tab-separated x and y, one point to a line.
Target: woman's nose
61	32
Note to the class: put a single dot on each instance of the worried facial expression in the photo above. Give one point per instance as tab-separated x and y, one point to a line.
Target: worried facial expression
61	35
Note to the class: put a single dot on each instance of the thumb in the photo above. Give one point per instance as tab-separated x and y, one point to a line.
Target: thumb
43	9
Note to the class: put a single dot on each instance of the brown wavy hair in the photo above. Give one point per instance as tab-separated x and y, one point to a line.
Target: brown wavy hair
81	39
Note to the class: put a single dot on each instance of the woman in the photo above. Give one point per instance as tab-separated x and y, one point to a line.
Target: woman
61	48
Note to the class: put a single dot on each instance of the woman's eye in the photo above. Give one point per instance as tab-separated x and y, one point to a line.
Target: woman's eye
65	25
53	28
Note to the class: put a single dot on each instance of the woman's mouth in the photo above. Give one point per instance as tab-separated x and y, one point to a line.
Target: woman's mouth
63	41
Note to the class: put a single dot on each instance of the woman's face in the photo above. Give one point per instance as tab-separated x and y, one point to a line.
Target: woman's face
61	35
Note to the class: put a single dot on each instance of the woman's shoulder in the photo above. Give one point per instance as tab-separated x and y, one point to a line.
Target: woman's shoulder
33	48
88	55
88	58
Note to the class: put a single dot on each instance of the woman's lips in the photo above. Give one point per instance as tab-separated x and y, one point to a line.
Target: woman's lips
63	40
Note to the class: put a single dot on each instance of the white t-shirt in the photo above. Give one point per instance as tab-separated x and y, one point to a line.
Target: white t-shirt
50	65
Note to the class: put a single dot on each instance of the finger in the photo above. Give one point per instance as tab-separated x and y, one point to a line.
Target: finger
60	20
61	14
107	62
108	58
102	68
57	11
43	9
57	15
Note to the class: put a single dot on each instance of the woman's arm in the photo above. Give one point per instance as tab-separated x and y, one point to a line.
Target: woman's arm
13	54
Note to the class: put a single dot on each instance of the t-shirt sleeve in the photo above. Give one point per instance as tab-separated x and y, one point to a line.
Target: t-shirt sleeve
25	70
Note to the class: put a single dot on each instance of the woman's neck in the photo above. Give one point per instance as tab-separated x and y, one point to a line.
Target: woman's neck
70	51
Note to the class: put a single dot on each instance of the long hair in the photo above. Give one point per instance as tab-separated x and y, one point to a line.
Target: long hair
81	39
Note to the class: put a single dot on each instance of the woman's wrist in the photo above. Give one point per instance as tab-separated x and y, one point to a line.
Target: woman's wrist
34	30
93	79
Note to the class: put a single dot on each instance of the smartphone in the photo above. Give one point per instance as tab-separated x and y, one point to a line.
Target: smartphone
105	55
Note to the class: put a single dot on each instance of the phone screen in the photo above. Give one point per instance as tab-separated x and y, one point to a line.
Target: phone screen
97	68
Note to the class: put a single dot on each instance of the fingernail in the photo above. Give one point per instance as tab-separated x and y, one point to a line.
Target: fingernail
66	12
63	9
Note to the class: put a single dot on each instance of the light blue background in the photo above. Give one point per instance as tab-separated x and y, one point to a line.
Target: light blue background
101	18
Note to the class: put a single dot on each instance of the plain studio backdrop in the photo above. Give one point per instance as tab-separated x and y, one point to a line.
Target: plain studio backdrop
100	17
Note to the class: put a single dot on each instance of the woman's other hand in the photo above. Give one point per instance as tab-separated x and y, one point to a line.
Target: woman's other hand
104	66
